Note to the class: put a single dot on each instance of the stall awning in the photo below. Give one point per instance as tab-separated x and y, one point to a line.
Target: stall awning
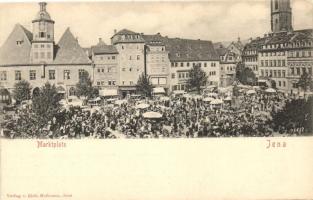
108	92
158	90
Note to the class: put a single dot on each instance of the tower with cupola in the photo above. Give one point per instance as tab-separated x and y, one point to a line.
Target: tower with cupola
281	16
43	36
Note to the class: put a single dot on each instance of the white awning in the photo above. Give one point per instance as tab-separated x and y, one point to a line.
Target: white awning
108	92
158	90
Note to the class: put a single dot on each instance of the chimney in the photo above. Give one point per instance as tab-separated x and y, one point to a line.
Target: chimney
238	39
42	6
115	31
158	34
100	40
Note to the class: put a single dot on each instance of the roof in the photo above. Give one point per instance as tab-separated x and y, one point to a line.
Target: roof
153	40
68	51
13	53
186	49
104	49
125	32
221	51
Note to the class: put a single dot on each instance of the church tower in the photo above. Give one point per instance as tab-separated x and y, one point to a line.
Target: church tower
43	36
281	16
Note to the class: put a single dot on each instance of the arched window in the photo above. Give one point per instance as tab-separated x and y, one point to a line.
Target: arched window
72	91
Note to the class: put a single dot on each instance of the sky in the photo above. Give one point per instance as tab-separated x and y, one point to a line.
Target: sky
223	20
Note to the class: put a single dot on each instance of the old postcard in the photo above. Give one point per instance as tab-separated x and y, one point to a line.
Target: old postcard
156	100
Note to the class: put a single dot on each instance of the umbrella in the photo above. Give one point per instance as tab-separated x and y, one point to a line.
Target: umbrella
208	99
197	97
227	98
212	95
270	90
164	98
251	92
152	115
142	106
120	102
216	101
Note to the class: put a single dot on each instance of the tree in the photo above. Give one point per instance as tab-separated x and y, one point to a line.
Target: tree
197	78
305	82
84	88
144	85
295	114
46	104
245	75
22	91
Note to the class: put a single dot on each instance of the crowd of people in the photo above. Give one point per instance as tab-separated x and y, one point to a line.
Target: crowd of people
181	117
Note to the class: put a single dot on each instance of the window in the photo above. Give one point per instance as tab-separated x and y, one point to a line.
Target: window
138	57
310	70
42	46
181	64
176	64
262	63
123	69
279	83
98	70
113	57
213	64
292	70
179	75
18	75
67	74
51	74
3	76
283	63
130	69
279	73
98	82
41	34
48	36
102	70
42	54
298	71
172	64
262	72
48	55
82	74
130	57
32	75
173	75
284	83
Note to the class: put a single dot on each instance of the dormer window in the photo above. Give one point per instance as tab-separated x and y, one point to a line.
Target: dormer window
19	42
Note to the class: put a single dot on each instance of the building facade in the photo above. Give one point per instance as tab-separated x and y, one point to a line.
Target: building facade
105	60
35	57
281	57
130	46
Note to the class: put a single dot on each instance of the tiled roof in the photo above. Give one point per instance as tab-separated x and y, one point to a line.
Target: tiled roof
104	49
16	49
186	49
125	32
153	40
221	51
68	51
218	45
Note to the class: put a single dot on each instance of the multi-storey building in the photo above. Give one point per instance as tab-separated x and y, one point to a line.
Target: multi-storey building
157	61
34	56
105	60
250	56
131	65
184	54
228	65
281	57
299	56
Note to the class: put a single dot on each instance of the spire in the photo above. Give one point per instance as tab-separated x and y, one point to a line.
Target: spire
42	6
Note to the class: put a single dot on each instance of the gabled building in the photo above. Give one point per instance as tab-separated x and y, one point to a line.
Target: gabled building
35	57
